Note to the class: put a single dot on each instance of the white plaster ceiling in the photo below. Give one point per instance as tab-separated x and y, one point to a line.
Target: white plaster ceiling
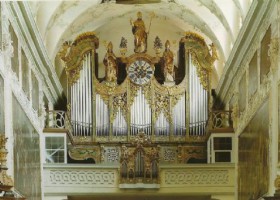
218	21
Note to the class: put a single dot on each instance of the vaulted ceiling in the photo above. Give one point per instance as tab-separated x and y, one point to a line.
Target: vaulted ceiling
218	21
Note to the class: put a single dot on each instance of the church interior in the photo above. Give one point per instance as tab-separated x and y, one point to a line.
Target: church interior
140	99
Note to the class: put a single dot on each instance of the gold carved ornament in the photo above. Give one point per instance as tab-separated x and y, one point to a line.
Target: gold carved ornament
277	182
120	103
128	154
162	106
83	152
201	56
105	90
72	54
187	152
166	98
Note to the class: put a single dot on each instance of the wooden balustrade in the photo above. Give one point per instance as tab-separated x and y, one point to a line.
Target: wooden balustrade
220	121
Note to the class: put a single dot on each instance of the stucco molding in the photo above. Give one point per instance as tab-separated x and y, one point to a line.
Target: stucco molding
30	49
81	177
240	49
255	104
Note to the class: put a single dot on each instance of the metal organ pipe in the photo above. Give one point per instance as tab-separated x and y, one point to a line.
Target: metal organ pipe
190	93
119	125
179	117
198	102
140	115
81	100
102	121
161	126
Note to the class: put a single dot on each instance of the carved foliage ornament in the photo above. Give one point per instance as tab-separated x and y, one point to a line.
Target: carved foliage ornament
162	105
277	182
120	103
82	153
201	56
129	154
72	53
5	180
187	152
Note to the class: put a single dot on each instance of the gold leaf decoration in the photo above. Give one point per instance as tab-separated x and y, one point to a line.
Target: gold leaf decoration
72	54
201	56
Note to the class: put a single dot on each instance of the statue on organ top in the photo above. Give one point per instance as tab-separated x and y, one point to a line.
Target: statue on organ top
168	63
110	64
140	34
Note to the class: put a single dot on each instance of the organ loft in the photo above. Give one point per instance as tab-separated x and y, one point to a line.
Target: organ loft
148	109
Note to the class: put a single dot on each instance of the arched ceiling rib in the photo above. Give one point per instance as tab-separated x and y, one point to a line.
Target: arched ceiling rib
210	13
216	20
46	13
176	14
240	9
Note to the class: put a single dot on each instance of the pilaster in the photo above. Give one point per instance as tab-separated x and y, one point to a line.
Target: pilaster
274	98
6	53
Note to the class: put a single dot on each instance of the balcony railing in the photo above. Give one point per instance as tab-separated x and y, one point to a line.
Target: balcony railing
58	119
188	179
220	121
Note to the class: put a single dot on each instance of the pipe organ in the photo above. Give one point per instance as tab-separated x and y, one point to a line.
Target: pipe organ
81	102
141	115
198	100
114	110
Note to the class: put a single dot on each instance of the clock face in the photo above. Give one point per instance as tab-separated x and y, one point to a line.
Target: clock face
140	72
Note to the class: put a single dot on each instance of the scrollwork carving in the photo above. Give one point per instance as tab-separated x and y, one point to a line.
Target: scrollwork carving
82	153
162	105
277	182
197	177
169	155
72	53
201	56
70	177
187	152
139	163
120	103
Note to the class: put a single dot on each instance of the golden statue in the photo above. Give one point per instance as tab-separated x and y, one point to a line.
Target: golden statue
111	69
168	63
140	34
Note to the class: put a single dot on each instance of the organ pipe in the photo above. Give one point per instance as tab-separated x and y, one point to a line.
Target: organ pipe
198	102
81	100
140	115
119	125
179	117
162	126
102	121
